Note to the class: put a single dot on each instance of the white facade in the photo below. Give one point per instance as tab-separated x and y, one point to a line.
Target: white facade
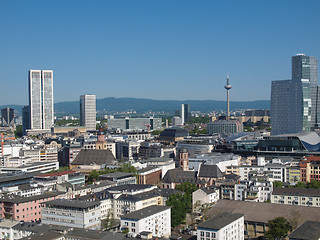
234	230
205	196
72	213
41	99
88	112
42	167
156	220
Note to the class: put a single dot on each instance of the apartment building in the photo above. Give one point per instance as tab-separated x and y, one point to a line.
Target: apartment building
222	227
296	196
155	220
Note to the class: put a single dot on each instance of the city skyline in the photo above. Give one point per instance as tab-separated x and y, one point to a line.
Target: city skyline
144	46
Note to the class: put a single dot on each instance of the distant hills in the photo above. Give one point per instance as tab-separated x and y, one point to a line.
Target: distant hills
141	105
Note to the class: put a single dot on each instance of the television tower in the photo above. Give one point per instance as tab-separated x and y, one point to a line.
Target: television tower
228	87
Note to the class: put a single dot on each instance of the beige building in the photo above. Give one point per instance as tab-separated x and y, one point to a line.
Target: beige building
296	196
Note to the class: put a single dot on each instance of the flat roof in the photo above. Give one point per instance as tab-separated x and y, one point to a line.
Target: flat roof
263	212
72	203
309	230
145	212
220	221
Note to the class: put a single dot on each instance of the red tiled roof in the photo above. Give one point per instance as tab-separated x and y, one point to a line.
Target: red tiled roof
56	174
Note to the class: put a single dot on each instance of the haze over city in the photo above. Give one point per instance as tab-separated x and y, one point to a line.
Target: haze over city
154	49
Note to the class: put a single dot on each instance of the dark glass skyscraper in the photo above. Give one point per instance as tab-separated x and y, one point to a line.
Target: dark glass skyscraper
293	102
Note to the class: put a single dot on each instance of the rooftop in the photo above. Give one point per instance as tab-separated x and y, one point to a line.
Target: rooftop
297	192
145	212
56	174
18	199
220	221
263	212
71	203
309	230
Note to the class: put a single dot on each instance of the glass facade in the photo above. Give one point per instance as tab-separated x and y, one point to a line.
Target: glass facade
293	102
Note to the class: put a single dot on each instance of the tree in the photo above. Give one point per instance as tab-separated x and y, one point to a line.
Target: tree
93	176
18	132
300	185
313	184
181	203
278	228
277	184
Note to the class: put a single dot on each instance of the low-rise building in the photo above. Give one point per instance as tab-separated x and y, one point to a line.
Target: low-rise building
306	231
207	195
149	175
155	220
72	213
120	178
24	208
42	167
222	226
296	196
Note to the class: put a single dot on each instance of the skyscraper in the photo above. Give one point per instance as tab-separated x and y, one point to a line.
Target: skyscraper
7	117
41	99
293	102
185	113
88	112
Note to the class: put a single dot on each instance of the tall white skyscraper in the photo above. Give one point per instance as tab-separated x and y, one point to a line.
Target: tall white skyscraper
41	99
88	112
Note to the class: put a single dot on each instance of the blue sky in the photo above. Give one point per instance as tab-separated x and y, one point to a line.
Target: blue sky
168	49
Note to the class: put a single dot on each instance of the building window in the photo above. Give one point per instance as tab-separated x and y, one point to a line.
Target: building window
207	234
133	224
202	233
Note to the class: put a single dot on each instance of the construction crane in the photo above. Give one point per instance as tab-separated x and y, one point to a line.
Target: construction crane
147	125
2	142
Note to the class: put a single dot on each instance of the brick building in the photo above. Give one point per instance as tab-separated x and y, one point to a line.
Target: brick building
149	175
310	169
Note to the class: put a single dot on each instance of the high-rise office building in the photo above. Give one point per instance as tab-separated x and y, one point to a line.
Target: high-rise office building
293	102
41	99
88	112
185	113
7	117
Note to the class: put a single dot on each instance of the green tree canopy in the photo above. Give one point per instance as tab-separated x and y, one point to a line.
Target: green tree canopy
277	184
278	228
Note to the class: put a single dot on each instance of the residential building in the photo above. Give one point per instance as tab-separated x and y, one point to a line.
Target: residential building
254	191
206	195
185	113
41	99
88	112
293	102
24	208
7	117
309	169
72	213
155	219
296	196
225	226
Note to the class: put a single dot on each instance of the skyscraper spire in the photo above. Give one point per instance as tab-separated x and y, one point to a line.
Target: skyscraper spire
228	87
